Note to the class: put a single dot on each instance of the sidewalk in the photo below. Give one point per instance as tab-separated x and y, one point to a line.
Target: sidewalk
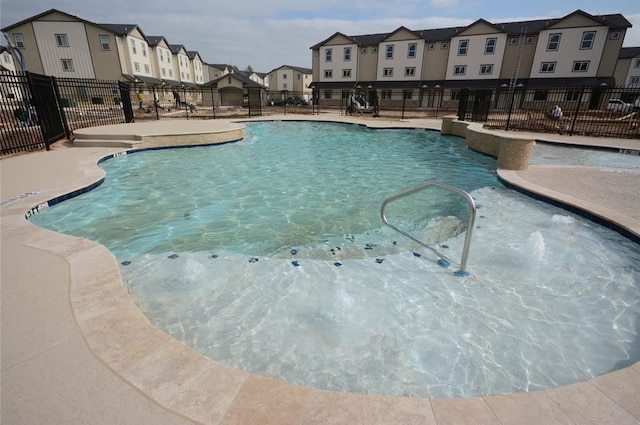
76	350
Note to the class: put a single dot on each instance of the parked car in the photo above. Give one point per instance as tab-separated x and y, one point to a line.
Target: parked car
618	105
297	101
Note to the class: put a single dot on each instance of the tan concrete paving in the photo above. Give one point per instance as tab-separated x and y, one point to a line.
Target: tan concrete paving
75	348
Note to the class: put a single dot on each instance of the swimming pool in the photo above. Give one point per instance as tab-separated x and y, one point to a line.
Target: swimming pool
414	329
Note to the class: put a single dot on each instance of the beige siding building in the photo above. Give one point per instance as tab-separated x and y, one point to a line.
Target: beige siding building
627	71
429	67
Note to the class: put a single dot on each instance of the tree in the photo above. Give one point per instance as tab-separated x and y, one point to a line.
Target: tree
248	68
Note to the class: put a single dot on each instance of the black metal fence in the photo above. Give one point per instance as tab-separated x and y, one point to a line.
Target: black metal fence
38	110
590	111
19	129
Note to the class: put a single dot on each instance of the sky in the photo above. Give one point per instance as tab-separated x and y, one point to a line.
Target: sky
266	34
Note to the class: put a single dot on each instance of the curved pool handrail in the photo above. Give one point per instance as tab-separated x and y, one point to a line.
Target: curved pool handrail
470	223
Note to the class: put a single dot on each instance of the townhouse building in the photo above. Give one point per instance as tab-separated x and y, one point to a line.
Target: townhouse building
290	79
212	71
196	68
428	68
628	67
59	44
7	64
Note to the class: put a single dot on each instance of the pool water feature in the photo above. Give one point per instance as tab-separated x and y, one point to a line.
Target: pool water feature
552	298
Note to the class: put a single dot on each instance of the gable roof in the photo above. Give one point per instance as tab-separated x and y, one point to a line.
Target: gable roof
295	68
154	40
40	15
192	54
123	29
241	76
175	48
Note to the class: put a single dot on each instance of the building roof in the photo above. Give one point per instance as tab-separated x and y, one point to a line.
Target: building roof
629	52
242	76
123	29
175	48
295	68
154	40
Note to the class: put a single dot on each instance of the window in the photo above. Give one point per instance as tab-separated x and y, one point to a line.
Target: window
136	66
18	40
364	50
67	65
412	50
133	47
6	58
316	53
407	94
104	42
328	73
347	54
388	72
345	94
486	69
386	94
615	35
444	45
328	94
144	50
490	46
540	95
455	95
580	66
328	54
636	63
460	70
284	76
463	46
146	69
548	67
62	40
164	72
554	42
572	95
171	73
161	56
346	73
635	80
168	58
513	41
374	50
432	46
410	72
587	40
389	52
528	39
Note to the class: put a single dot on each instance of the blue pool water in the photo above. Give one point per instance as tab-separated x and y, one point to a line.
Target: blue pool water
269	255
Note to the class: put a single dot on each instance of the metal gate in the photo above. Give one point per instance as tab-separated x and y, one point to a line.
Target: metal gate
46	107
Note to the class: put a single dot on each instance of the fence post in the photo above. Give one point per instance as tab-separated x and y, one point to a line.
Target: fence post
575	116
213	104
63	114
512	93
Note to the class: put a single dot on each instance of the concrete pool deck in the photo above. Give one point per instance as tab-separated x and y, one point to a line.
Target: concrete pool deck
75	348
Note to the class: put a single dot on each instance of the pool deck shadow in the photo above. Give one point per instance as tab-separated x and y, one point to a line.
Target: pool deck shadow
76	349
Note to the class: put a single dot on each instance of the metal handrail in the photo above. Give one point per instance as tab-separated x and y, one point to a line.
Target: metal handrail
470	223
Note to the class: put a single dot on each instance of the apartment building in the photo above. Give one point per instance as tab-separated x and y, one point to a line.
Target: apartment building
7	64
429	67
628	67
287	78
63	45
